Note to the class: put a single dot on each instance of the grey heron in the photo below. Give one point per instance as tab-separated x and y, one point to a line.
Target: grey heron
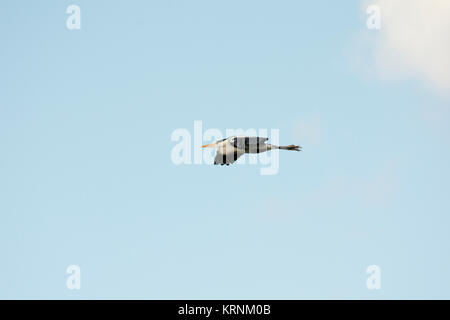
231	148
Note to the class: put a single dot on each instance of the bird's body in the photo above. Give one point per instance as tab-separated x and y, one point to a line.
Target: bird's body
230	149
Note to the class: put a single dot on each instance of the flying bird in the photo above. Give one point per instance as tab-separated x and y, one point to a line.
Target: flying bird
231	148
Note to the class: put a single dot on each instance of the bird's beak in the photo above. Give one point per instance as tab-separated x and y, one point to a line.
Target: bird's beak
208	145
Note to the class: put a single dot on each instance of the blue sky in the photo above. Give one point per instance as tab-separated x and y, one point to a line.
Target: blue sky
86	176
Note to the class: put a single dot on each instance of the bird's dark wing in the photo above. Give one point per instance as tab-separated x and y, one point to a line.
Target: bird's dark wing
245	143
227	158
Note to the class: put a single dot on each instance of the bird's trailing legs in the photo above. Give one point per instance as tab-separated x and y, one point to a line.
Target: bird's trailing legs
289	147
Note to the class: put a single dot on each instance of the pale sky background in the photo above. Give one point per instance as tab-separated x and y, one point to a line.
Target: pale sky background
86	176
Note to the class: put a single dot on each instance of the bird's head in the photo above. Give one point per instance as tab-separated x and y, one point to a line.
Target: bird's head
214	144
211	145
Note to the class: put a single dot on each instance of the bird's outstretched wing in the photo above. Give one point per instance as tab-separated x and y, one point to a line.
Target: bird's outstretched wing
246	143
227	158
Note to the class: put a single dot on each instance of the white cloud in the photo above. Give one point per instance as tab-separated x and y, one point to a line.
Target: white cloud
414	41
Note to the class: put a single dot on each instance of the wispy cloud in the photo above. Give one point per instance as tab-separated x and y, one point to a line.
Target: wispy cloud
413	42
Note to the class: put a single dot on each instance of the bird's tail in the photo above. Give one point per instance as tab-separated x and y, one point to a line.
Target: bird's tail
290	147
